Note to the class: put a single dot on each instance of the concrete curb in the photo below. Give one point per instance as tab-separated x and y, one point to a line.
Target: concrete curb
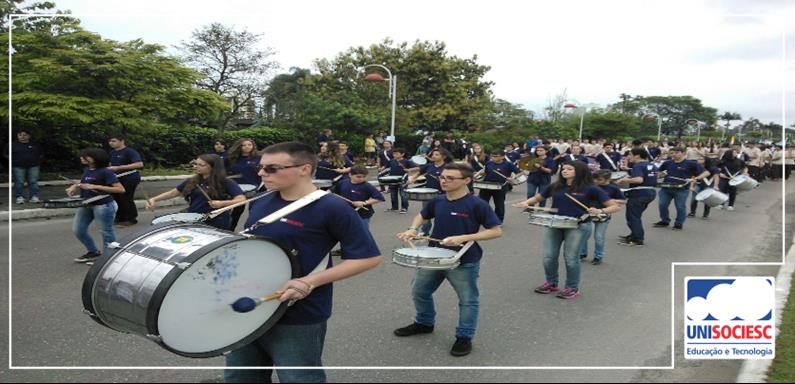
755	371
52	183
38	213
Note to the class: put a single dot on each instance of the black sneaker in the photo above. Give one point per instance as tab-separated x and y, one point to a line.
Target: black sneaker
625	238
413	329
90	256
631	242
677	227
705	217
596	261
660	224
691	214
462	347
583	257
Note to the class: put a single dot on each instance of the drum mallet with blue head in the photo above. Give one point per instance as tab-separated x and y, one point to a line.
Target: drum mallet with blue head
247	304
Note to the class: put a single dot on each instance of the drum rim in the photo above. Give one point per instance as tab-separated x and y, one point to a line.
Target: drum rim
174	213
159	294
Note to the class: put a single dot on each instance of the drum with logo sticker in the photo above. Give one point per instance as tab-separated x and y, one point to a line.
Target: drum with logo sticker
174	284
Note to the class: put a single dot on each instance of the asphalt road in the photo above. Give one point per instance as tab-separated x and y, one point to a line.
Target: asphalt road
623	318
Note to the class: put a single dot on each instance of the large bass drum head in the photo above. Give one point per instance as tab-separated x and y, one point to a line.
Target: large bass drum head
196	317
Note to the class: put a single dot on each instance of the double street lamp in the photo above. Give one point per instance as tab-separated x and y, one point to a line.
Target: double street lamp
571	105
698	123
375	76
654	116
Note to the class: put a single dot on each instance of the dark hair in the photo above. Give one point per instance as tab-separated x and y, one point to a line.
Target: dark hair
604	174
22	130
216	182
236	150
465	169
582	177
300	152
359	170
221	141
442	151
117	136
678	149
637	142
399	150
101	158
640	152
497	152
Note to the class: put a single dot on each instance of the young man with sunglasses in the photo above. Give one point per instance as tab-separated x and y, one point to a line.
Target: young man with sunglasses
457	216
311	232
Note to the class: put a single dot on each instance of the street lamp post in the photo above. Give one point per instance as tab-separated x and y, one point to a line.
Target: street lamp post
657	117
582	114
698	123
392	89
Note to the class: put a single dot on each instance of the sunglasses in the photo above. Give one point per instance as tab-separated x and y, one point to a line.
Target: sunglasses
273	168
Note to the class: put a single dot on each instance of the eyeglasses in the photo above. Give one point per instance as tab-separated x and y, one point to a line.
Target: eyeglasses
273	168
451	178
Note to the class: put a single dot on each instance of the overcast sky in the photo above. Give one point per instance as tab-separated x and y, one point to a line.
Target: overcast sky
729	54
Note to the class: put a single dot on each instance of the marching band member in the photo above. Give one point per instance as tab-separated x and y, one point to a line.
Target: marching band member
97	179
609	159
362	194
244	159
642	179
599	228
457	217
432	171
730	167
575	181
682	173
298	337
540	179
397	167
709	164
497	170
208	190
124	159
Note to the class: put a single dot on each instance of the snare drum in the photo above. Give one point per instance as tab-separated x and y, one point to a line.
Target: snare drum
390	180
249	190
323	184
554	221
601	218
174	284
419	160
424	257
487	185
72	202
519	179
712	197
179	217
618	175
421	194
743	183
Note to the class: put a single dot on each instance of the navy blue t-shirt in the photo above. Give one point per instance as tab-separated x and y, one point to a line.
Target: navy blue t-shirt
476	164
358	192
313	231
605	164
570	157
540	177
199	203
612	191
247	168
459	217
735	167
505	168
433	173
684	170
384	157
126	156
324	174
566	207
224	156
399	167
99	176
512	156
648	172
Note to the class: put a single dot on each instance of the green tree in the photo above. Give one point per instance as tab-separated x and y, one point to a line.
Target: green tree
674	111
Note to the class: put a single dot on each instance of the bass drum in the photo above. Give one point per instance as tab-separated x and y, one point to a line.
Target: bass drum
174	284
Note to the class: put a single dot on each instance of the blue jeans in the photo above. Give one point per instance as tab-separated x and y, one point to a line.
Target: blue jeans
464	280
404	198
635	208
533	188
31	175
599	231
679	196
694	203
104	214
283	345
570	238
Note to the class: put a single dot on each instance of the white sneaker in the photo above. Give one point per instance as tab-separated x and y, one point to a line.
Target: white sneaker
20	200
35	200
730	208
721	207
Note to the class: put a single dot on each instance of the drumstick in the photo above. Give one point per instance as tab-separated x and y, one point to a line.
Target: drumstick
247	304
235	205
431	239
146	196
204	193
349	201
585	207
544	209
235	176
679	178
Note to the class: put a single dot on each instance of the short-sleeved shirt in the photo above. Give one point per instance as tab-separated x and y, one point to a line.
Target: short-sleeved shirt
540	177
505	168
399	167
247	168
433	173
324	174
463	216
682	170
224	156
605	164
359	192
126	156
100	176
612	191
648	172
384	156
313	231
199	203
476	164
566	207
